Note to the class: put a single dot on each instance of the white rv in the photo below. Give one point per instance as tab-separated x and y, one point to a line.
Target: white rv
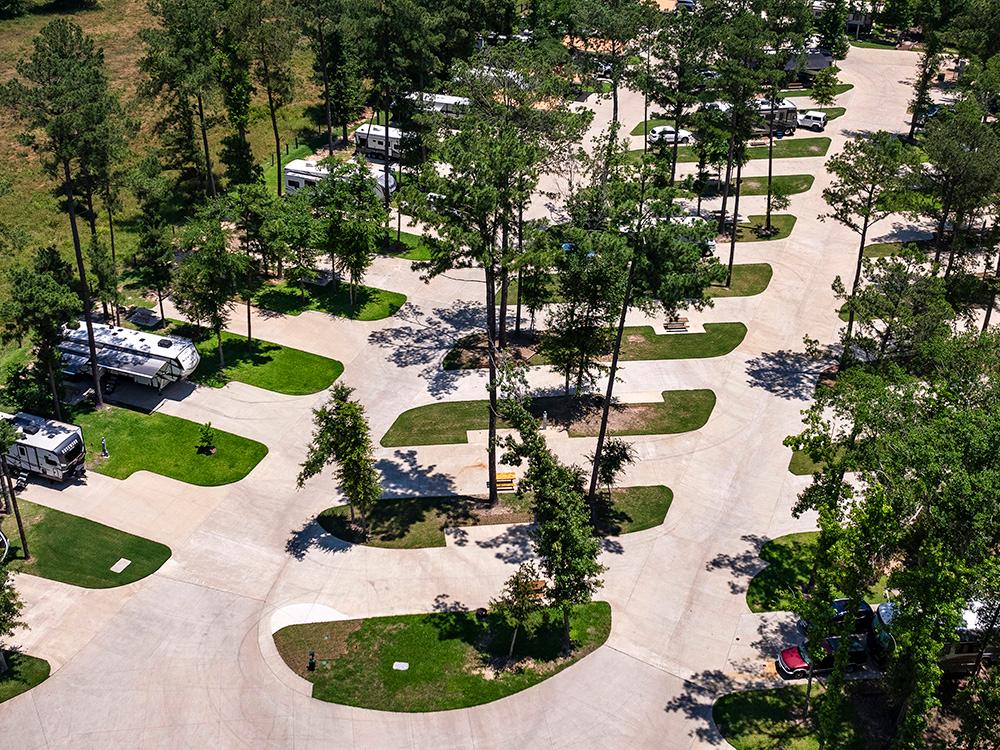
144	357
302	173
786	115
442	103
46	447
370	140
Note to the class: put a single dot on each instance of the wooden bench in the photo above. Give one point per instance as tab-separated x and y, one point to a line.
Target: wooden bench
506	481
678	324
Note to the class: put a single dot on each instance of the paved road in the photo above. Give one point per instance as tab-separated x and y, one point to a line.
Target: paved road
185	658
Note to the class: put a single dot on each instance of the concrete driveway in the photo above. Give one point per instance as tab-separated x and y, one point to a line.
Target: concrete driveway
184	658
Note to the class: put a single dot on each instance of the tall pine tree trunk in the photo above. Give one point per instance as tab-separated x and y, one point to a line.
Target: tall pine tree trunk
5	469
114	260
327	110
209	177
770	171
491	314
729	176
274	120
88	302
736	216
855	285
56	407
612	374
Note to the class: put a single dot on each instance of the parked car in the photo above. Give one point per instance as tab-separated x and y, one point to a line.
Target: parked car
669	134
862	619
813	120
795	661
697	222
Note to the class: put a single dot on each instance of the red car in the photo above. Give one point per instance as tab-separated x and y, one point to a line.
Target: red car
795	661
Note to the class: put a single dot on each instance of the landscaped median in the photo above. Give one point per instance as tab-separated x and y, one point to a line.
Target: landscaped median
447	422
273	367
749	279
790	564
638	343
452	659
334	299
784	148
752	230
410	247
790	184
777	720
416	522
78	551
163	445
24	672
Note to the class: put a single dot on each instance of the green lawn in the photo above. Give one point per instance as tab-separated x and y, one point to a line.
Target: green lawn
801	464
791	148
791	183
449	656
842	88
640	342
334	299
748	232
79	551
872	43
774	720
654	122
784	148
888	249
417	522
164	445
790	561
748	279
416	248
832	113
23	674
446	422
263	364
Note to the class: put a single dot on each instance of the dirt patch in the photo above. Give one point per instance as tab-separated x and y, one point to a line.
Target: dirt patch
327	639
471	352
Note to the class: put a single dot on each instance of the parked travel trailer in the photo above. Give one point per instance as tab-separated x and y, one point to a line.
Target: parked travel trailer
51	449
302	173
144	357
370	140
786	115
442	103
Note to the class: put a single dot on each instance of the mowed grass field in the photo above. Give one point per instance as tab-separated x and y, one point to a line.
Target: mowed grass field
78	551
163	444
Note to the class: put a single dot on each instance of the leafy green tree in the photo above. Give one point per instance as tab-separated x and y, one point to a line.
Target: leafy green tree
831	25
106	278
866	174
10	611
342	438
154	261
208	279
617	456
518	601
182	62
235	61
590	281
250	205
273	38
63	100
13	9
328	28
350	218
36	310
824	87
290	233
611	32
898	307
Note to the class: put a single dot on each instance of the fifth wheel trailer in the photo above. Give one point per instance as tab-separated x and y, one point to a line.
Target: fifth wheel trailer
144	357
370	140
46	447
302	173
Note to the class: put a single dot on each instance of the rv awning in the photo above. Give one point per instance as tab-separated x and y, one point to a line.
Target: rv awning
126	363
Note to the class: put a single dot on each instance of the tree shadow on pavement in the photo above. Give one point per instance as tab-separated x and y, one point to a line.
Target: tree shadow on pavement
403	475
422	340
513	545
743	566
790	375
312	536
698	697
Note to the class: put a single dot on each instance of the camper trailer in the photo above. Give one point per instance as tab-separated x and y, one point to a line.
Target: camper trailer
442	103
144	357
302	173
45	447
370	140
786	115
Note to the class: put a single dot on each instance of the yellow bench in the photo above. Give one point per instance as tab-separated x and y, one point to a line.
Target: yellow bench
506	481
